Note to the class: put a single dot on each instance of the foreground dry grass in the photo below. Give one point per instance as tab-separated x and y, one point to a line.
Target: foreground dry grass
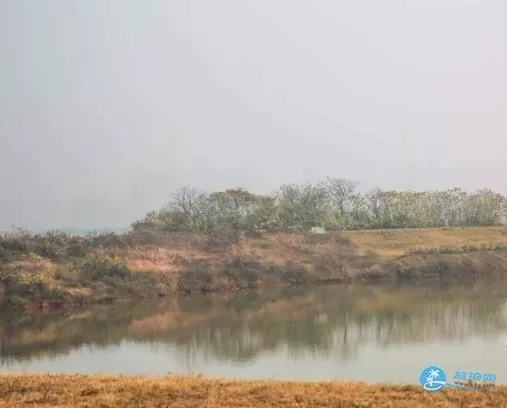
85	391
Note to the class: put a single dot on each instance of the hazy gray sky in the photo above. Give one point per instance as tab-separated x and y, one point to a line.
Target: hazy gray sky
107	105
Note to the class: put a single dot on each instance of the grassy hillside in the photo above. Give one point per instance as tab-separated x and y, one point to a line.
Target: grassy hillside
61	270
82	391
391	244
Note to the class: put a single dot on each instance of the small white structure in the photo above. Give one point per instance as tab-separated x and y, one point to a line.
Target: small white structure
318	230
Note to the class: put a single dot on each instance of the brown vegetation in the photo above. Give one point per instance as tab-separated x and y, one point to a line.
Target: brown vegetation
54	270
391	244
196	391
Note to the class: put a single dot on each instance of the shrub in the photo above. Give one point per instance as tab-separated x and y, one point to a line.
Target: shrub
196	278
220	241
21	282
180	261
265	245
102	269
295	275
52	245
253	234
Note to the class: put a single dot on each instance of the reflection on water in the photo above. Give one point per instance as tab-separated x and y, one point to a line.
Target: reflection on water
323	332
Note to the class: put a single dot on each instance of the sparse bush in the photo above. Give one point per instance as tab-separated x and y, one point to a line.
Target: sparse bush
289	273
220	241
196	278
67	274
102	269
296	275
341	240
180	261
253	234
109	240
23	282
265	245
52	245
331	265
244	271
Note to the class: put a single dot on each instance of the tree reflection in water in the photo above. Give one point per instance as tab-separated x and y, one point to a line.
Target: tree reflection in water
331	321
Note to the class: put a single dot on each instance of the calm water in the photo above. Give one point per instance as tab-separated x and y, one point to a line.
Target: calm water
368	333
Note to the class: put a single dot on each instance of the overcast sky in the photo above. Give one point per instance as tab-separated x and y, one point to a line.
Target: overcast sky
106	106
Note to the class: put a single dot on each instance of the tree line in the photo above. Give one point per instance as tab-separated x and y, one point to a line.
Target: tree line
333	204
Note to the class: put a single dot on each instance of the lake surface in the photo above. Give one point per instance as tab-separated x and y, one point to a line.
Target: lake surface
367	333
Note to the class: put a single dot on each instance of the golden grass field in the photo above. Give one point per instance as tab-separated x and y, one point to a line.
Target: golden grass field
184	392
389	244
358	252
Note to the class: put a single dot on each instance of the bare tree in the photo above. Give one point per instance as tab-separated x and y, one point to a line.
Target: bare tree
340	192
190	203
302	205
332	204
374	203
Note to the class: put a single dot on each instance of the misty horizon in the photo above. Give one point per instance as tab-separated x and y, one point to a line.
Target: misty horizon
107	107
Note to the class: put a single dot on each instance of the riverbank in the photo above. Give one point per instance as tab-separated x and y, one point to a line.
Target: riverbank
195	391
56	271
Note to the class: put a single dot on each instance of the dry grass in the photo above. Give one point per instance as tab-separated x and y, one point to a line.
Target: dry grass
271	249
186	265
389	244
91	391
277	249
